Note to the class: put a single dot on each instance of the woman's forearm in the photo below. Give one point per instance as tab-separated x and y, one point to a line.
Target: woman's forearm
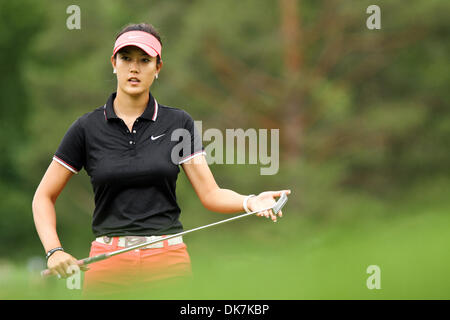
228	201
224	201
44	216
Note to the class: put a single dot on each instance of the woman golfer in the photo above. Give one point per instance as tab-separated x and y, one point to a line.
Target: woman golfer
132	148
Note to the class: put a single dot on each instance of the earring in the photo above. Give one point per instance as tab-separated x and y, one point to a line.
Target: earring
114	71
156	76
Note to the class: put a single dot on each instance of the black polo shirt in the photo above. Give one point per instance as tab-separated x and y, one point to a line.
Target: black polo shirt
133	174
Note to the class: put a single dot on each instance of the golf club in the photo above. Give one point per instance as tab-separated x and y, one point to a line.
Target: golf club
83	262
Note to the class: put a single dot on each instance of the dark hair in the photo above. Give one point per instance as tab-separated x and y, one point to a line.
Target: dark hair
142	27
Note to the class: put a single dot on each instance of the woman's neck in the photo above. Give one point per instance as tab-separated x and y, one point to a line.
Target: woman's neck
129	106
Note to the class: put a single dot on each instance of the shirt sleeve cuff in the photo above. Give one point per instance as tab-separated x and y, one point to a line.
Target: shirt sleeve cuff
185	159
65	164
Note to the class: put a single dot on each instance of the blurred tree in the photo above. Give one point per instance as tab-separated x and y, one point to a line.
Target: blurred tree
20	22
335	74
292	46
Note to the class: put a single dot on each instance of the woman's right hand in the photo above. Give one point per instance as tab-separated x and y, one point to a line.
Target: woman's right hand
59	264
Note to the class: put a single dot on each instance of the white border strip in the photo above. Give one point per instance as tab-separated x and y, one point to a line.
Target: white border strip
192	156
64	164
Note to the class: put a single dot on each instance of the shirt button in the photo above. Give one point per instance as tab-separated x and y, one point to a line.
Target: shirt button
131	142
134	131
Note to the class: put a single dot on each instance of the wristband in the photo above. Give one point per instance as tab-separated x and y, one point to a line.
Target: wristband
53	251
245	202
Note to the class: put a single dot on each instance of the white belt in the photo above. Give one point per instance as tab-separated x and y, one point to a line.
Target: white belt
128	241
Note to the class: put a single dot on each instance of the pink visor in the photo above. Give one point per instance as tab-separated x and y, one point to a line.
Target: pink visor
140	39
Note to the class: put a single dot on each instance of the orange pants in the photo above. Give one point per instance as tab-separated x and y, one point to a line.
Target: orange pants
136	269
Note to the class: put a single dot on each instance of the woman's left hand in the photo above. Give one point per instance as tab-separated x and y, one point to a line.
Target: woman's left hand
265	200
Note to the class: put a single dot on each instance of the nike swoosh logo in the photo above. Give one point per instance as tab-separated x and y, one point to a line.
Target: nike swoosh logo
154	138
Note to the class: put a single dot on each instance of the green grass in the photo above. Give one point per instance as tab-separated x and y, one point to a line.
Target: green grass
411	252
299	261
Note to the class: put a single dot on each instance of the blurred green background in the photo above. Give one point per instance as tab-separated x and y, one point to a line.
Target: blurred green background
364	139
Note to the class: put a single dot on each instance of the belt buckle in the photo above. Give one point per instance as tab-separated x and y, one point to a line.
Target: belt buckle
106	239
134	240
156	245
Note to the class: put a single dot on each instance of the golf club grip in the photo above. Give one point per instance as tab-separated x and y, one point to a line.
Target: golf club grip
83	262
93	259
47	273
